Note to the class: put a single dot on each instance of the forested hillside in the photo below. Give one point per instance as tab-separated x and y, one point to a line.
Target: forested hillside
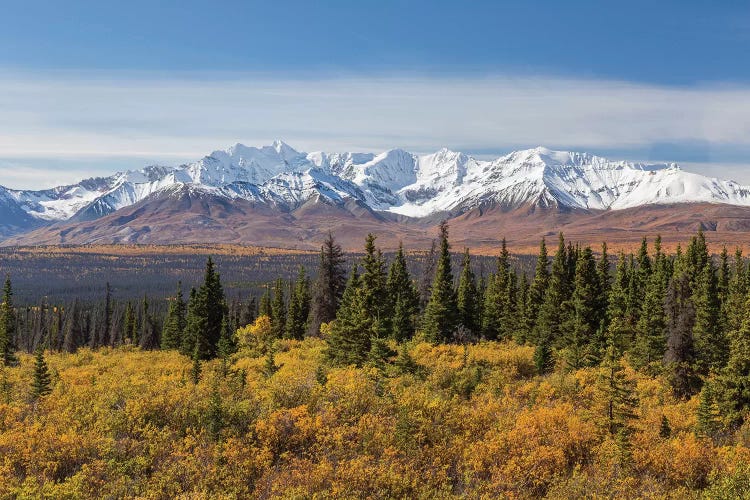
590	375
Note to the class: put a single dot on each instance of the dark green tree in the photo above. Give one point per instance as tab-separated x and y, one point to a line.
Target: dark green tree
467	297
552	314
329	286
299	307
441	314
710	343
41	383
581	328
650	333
264	309
206	312
8	326
680	320
350	338
537	291
405	297
174	325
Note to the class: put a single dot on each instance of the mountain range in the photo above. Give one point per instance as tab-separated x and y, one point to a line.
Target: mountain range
276	195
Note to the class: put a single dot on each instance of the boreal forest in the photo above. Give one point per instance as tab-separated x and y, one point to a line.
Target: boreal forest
580	374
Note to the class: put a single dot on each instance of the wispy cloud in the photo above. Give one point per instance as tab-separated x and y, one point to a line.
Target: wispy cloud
144	118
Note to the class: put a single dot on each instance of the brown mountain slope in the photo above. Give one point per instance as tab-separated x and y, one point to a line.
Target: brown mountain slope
187	217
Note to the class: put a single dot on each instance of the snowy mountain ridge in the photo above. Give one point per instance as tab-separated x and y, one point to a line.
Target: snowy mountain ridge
393	181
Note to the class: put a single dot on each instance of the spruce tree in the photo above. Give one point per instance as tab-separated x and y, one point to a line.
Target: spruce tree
264	309
734	308
680	320
428	275
299	307
710	343
551	313
196	369
405	297
130	324
733	386
74	335
523	296
174	325
41	383
650	333
708	417
467	297
149	338
206	311
374	278
617	393
349	341
580	330
604	281
537	291
329	285
7	326
441	314
107	323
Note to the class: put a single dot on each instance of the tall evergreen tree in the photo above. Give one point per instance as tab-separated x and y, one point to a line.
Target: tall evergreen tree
733	386
617	393
583	324
404	296
734	308
8	326
708	336
604	280
329	285
130	324
374	287
551	313
680	320
264	309
536	293
299	307
467	297
149	338
174	325
106	332
206	311
650	334
428	275
350	339
74	334
441	314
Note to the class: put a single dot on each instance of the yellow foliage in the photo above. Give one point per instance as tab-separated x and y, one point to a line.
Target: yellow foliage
123	423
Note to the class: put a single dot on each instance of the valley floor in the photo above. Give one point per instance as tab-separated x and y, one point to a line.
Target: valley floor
127	423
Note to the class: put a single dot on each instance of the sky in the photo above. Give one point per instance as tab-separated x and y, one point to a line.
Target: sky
89	88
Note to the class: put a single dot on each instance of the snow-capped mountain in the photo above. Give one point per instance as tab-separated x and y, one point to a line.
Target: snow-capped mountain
394	181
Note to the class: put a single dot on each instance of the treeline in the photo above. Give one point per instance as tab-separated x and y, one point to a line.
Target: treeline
682	315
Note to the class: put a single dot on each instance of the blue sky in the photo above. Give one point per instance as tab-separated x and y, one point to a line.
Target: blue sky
92	87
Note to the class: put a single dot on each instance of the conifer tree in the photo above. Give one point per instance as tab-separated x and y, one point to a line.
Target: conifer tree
708	417
604	281
227	342
215	413
405	297
724	276
299	307
206	311
650	334
404	363
543	360
107	323
536	293
196	369
428	275
680	320
278	309
329	285
441	313
174	325
74	337
733	386
130	324
523	295
380	354
374	278
467	299
551	314
7	326
264	309
41	383
581	328
149	338
665	430
617	393
734	308
710	343
350	339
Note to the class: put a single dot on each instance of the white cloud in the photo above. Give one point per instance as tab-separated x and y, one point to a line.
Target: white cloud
145	119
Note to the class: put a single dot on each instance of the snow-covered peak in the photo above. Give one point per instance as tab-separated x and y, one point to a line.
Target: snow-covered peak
394	180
